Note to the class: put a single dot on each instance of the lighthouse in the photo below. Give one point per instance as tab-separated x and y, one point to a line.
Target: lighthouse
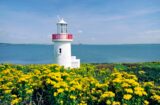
62	46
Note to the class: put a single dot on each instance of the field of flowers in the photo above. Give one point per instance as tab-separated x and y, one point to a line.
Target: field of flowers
92	84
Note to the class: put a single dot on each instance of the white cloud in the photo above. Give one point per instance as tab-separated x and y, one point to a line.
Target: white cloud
148	36
30	27
153	32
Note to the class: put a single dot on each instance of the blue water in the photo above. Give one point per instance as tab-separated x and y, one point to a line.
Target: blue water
38	54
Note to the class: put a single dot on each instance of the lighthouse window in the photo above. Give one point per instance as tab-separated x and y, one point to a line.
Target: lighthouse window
63	28
60	51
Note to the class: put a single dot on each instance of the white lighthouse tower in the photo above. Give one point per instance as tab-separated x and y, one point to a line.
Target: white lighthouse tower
62	47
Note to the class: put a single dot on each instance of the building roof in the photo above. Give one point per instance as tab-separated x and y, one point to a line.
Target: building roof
61	21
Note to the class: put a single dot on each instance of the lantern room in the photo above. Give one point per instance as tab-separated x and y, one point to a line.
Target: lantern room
61	27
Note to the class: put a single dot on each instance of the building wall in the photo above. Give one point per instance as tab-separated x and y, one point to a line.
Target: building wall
62	53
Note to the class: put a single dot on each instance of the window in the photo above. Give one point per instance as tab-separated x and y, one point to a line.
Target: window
60	50
63	28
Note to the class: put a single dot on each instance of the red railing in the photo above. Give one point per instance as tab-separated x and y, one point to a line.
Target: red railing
62	36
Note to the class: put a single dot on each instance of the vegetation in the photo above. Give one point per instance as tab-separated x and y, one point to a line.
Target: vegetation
92	84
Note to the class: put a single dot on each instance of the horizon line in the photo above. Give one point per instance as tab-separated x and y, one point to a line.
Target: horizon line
81	44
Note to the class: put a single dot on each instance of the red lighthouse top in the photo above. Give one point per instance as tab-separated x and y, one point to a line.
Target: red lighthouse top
62	34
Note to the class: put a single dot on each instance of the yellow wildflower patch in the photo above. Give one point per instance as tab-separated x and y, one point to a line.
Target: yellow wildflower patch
46	84
127	96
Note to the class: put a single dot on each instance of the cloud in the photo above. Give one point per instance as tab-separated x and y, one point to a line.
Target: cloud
153	32
148	36
80	31
94	24
130	14
27	28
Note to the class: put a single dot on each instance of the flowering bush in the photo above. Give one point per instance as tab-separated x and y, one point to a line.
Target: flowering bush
90	84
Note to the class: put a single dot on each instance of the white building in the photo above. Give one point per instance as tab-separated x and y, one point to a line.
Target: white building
62	47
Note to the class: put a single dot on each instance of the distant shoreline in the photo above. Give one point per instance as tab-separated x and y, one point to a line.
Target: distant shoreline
78	44
123	63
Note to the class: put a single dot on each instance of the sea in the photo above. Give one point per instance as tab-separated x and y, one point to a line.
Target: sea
43	54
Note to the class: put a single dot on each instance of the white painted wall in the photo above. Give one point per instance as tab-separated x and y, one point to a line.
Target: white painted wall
63	58
75	63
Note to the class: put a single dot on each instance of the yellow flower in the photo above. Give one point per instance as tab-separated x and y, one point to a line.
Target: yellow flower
15	101
37	72
117	80
116	103
146	102
139	91
9	84
29	91
156	98
63	84
131	82
57	85
107	94
22	79
79	87
129	90
133	77
101	85
127	96
66	89
14	96
53	83
7	91
72	97
82	103
60	90
108	102
149	84
72	89
58	68
48	81
59	79
55	94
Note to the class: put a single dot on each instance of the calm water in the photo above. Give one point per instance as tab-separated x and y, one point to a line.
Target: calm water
27	54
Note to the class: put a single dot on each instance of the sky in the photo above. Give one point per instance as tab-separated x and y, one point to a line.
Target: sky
90	21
